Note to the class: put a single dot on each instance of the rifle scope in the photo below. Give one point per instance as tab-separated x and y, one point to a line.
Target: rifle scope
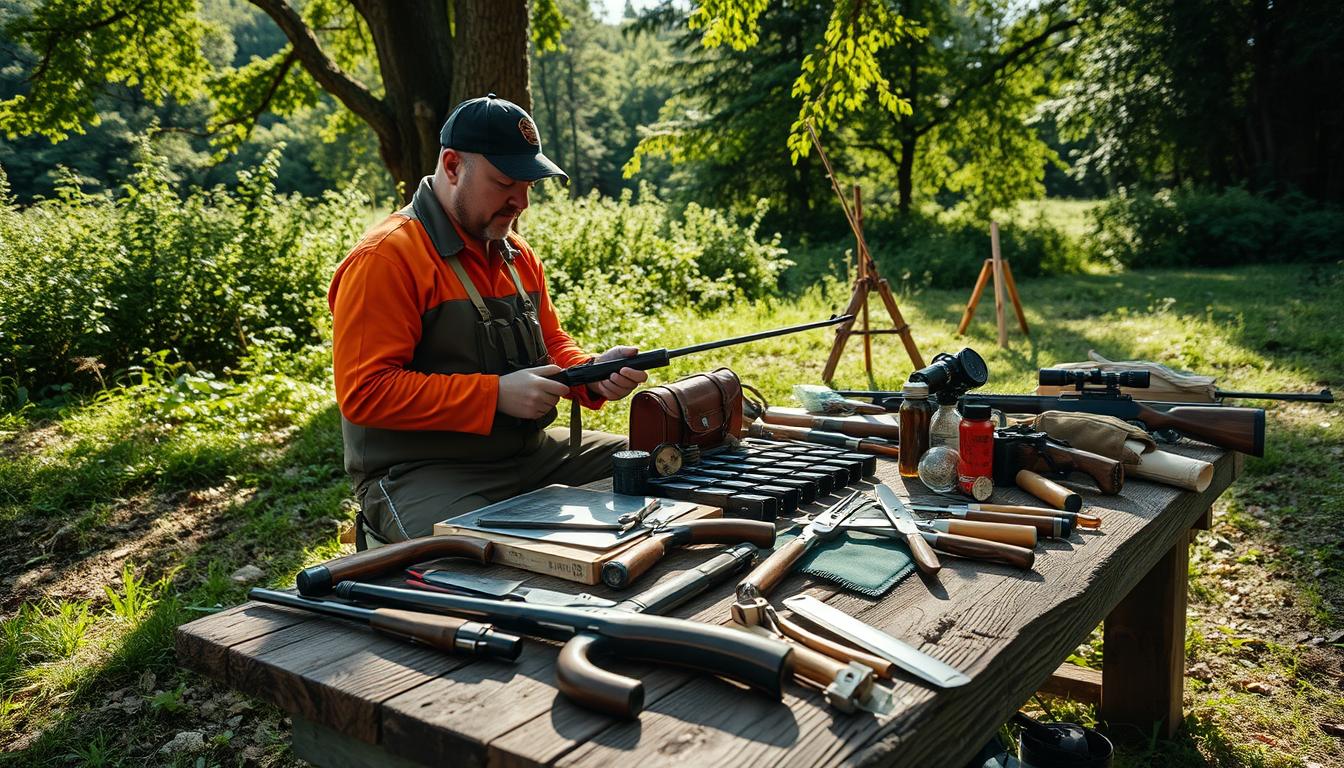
954	374
1067	377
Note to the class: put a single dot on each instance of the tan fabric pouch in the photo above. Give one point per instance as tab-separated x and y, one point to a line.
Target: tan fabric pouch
1103	435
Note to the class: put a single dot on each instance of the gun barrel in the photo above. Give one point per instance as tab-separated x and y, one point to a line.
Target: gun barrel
708	345
1324	396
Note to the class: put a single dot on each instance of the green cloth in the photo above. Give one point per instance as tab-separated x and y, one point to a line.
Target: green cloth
855	561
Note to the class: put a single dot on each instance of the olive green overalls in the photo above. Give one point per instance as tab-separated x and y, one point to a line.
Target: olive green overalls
408	480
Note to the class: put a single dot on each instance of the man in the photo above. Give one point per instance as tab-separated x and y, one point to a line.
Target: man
444	334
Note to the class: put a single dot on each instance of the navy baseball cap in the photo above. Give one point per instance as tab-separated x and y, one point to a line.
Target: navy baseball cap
504	133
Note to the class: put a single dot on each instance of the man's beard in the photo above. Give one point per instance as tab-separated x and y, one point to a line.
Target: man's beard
486	230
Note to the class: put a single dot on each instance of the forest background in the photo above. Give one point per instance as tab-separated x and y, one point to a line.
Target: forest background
178	181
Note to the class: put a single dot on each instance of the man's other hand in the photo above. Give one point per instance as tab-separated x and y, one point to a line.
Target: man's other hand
528	394
621	383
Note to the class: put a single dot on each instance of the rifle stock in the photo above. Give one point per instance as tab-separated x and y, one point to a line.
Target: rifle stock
1238	429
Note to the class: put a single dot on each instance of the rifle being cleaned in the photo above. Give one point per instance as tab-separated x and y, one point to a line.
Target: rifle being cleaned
590	372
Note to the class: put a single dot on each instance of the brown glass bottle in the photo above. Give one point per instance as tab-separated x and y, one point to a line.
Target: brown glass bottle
915	413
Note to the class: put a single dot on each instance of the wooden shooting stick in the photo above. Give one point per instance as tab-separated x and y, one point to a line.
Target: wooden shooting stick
866	280
1003	276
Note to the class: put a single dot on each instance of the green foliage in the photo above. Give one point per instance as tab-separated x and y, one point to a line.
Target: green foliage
82	45
1191	226
944	251
92	283
1217	92
612	261
135	599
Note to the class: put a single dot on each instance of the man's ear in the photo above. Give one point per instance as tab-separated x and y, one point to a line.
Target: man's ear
451	163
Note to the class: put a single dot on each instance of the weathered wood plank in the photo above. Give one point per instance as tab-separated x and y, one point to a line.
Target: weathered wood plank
333	673
329	748
202	645
1070	681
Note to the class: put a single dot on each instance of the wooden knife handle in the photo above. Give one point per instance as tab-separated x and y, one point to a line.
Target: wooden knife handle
1049	491
1049	527
979	549
878	449
884	669
773	569
1076	519
923	554
1006	533
621	571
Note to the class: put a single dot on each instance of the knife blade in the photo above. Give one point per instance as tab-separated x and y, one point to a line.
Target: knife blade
903	521
872	639
505	589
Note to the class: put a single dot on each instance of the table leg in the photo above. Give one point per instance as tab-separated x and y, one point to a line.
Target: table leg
1144	670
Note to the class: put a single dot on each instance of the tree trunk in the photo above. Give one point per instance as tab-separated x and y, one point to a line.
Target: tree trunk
548	97
414	43
490	50
905	172
573	130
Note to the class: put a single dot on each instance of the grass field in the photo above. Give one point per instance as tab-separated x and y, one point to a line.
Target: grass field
164	490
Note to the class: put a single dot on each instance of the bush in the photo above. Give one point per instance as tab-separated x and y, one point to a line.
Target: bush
1188	226
609	261
94	282
943	251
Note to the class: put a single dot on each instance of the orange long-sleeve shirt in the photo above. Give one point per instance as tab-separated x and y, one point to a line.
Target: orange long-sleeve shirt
379	296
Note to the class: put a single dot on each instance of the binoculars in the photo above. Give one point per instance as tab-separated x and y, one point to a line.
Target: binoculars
952	376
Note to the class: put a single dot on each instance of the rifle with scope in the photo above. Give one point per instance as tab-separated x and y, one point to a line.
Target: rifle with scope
1233	428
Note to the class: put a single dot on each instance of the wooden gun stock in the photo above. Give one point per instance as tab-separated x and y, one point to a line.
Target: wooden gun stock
1236	429
622	570
319	579
1108	474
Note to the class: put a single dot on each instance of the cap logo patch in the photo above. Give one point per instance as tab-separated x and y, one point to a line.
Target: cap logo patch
529	131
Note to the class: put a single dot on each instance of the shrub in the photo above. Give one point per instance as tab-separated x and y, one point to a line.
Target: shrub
1189	226
610	260
94	282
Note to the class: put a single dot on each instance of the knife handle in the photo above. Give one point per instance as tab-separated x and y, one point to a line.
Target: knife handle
773	569
992	551
1047	526
1078	519
631	563
622	570
923	554
318	579
844	653
1005	533
1049	491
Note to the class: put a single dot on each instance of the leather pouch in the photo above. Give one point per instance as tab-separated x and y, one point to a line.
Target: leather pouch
1103	435
702	409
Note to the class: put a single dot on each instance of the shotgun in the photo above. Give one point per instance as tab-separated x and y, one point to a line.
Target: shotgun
758	662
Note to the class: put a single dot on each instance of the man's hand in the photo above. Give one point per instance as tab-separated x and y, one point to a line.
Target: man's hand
621	383
527	394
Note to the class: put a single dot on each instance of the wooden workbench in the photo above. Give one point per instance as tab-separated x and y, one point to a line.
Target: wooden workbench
358	698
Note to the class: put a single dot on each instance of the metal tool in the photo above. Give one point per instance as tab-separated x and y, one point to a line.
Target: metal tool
765	576
916	662
475	585
1075	519
1005	533
904	522
1046	523
935	535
